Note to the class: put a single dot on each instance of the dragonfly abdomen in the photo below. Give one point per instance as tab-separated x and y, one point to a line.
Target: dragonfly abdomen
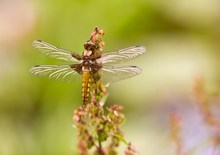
85	86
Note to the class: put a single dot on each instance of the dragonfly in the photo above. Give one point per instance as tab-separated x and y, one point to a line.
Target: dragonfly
104	66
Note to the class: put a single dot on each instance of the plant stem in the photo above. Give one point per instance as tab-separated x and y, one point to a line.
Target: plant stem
100	143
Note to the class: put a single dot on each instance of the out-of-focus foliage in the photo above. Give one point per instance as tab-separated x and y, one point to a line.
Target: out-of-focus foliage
182	39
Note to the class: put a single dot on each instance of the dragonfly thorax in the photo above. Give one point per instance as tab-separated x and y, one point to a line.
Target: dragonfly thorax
87	62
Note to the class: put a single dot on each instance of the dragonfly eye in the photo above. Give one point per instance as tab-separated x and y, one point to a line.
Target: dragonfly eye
89	45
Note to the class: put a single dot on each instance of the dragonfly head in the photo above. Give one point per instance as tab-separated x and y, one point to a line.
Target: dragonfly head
89	45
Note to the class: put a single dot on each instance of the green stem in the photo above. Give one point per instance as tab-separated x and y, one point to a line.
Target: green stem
100	143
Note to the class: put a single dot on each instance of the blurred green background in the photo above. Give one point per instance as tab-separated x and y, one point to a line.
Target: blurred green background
182	40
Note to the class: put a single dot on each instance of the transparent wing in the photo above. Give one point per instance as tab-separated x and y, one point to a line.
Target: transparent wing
56	72
122	55
113	74
54	52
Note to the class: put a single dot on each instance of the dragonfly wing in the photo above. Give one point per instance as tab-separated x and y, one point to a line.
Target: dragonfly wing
113	74
122	55
56	72
54	52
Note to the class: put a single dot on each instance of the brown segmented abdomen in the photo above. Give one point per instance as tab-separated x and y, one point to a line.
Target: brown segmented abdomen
86	80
